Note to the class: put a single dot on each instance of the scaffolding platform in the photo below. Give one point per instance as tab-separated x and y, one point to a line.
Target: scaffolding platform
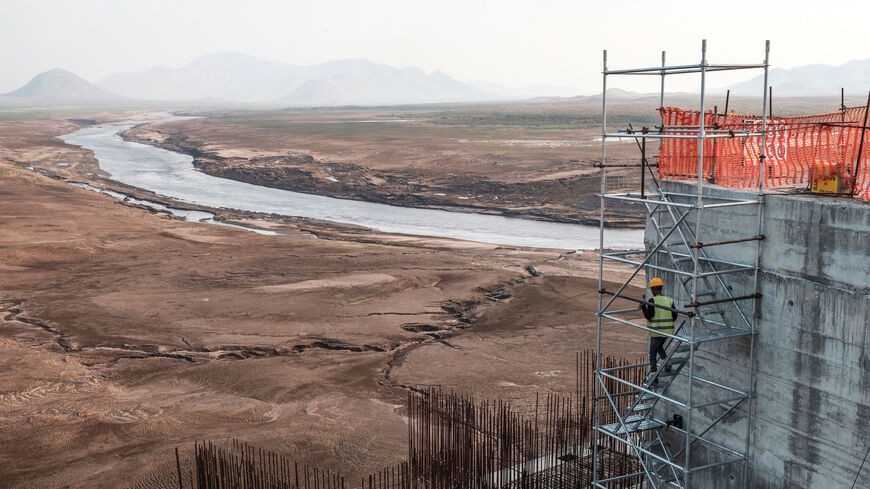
633	424
718	296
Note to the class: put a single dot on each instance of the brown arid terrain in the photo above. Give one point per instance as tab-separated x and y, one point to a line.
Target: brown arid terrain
125	333
536	161
533	159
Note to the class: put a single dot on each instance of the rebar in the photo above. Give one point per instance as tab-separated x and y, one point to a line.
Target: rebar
457	442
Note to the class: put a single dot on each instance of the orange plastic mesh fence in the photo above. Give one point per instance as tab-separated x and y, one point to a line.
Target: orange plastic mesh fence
796	146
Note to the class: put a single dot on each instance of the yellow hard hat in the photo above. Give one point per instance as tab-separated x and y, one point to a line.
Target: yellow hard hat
656	282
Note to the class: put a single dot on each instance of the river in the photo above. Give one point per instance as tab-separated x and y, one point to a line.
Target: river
173	175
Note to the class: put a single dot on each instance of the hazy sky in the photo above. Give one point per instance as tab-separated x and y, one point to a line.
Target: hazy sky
508	42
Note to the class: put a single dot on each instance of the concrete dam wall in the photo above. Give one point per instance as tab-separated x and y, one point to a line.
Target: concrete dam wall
810	416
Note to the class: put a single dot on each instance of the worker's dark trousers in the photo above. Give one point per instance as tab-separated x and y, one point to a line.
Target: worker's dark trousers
656	349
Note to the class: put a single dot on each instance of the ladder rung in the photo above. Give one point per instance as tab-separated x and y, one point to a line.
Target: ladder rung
641	424
708	320
668	479
647	396
643	406
677	360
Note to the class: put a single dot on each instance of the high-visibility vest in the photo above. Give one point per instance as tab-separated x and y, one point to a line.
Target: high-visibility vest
663	319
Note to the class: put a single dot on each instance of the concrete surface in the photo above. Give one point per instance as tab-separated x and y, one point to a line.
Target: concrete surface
810	418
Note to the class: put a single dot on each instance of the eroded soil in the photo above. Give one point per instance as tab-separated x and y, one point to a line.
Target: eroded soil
126	333
534	168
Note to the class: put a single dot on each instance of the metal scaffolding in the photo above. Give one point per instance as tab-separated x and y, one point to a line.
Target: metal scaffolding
674	426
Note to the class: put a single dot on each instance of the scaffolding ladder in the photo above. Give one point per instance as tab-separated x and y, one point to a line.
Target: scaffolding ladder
673	422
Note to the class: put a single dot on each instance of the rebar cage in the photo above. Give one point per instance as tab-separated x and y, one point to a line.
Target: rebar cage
674	424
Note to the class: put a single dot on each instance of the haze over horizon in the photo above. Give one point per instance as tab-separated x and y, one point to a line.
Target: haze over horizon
556	43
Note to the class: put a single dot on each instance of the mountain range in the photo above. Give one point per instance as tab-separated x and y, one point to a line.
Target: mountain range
234	78
811	80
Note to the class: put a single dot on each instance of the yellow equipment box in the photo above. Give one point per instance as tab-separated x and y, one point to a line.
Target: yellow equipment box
824	178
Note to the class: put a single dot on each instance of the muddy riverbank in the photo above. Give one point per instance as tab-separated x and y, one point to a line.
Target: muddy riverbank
173	175
564	191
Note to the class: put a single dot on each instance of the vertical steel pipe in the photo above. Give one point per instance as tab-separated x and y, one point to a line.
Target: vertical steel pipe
696	266
603	175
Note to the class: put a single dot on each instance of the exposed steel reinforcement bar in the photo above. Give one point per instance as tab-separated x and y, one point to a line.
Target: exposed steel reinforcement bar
696	304
726	242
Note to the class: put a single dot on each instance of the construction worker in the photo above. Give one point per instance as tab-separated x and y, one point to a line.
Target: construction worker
660	320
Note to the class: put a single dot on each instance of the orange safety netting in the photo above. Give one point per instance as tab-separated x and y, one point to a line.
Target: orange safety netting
796	146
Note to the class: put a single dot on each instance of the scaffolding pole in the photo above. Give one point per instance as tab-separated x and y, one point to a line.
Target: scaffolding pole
702	269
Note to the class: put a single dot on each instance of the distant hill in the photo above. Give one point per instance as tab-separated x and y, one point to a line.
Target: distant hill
59	87
233	78
361	82
221	76
243	78
238	78
812	80
617	95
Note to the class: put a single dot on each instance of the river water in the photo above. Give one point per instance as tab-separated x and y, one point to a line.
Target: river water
172	175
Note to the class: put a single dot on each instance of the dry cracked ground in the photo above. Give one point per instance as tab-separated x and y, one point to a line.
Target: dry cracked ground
125	333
